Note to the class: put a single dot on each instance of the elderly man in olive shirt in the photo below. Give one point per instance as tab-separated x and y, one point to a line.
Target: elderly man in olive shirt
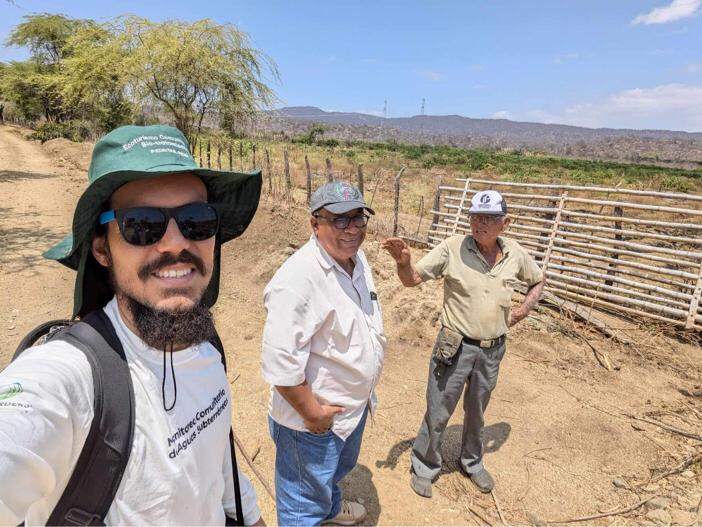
480	272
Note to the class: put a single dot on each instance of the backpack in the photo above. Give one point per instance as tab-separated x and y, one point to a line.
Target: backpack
98	472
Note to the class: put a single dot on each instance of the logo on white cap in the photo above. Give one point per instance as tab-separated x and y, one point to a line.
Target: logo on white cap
488	202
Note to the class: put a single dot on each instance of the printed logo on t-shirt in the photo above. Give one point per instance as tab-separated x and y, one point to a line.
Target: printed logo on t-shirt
186	435
10	390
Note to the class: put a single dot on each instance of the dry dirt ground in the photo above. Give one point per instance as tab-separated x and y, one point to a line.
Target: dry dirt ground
557	432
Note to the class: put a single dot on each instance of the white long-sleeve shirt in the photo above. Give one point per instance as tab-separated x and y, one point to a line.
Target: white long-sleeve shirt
325	327
179	469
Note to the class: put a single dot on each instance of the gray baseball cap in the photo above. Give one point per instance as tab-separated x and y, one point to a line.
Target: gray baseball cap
338	197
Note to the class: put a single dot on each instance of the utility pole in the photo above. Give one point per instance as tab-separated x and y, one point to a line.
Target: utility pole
423	102
385	109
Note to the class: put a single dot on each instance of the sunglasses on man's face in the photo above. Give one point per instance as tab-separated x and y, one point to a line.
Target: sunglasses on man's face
147	225
343	222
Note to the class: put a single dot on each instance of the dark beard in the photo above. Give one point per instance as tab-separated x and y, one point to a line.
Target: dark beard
161	329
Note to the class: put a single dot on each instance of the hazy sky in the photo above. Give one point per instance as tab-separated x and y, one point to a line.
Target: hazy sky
615	63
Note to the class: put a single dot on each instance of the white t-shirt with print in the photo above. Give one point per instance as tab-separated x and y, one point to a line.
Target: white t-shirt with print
179	469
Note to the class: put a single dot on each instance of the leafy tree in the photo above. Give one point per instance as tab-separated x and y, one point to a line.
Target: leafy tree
35	85
91	79
46	36
191	71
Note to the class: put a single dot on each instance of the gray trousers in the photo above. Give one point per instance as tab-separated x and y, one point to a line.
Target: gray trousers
475	368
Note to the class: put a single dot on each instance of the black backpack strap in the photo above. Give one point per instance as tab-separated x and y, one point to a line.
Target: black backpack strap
239	520
37	333
98	472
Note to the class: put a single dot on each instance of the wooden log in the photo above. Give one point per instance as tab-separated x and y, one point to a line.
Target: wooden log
634	234
628	272
592	287
618	211
308	171
460	209
286	161
614	307
637	221
270	172
694	302
677	314
554	231
651	193
396	208
437	204
421	215
633	245
330	172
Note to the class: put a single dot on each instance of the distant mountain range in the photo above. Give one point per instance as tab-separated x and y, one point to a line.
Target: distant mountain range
663	147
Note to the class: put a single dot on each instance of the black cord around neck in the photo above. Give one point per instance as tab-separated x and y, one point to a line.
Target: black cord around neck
163	382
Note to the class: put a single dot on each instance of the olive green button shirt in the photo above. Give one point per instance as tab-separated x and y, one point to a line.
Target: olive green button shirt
476	298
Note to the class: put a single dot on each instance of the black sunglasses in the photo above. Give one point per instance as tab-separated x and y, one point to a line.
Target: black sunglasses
147	225
343	222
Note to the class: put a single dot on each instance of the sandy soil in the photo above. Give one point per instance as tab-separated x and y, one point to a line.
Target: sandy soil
556	431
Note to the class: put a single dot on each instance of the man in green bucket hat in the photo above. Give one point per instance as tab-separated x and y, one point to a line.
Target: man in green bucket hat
146	244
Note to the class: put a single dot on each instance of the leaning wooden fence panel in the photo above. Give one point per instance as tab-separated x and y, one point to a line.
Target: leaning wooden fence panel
632	252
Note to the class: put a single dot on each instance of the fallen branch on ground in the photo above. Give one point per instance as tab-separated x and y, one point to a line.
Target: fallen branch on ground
604	514
253	468
666	427
675	470
497	506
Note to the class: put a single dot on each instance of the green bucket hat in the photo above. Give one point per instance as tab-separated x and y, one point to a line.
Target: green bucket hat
131	153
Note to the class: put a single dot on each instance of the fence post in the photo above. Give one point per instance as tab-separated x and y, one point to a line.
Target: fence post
618	211
466	188
330	173
231	160
288	183
309	179
254	157
360	178
553	233
208	153
437	204
219	157
241	155
694	302
270	173
396	210
421	215
199	144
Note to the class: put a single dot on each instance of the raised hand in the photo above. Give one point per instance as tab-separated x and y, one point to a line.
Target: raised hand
398	249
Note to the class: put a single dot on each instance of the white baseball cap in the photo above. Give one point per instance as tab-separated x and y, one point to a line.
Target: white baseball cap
488	202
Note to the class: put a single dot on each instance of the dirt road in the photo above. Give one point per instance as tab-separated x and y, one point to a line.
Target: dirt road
555	434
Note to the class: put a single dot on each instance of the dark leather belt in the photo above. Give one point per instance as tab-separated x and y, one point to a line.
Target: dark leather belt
488	343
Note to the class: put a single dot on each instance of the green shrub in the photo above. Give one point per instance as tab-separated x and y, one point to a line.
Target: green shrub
76	131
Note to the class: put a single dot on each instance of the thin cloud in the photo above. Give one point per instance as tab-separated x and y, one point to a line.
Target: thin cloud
502	114
432	75
693	68
676	10
668	107
568	56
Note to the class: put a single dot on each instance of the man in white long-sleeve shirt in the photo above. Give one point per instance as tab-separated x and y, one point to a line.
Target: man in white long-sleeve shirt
146	243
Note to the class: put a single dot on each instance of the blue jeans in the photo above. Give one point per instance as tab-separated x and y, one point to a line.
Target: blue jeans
308	469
